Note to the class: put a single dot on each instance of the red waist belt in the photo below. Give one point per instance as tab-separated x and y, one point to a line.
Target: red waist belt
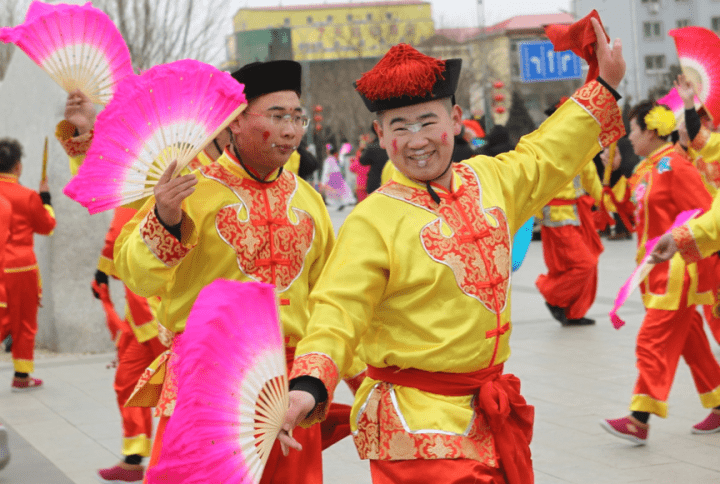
496	395
559	202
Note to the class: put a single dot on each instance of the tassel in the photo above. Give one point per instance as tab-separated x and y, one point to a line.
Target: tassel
402	72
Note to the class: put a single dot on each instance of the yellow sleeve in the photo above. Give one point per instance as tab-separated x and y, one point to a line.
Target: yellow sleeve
147	256
591	182
700	237
74	146
545	160
706	144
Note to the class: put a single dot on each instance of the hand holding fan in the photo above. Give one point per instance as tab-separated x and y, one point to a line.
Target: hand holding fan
170	112
78	46
232	388
643	269
699	52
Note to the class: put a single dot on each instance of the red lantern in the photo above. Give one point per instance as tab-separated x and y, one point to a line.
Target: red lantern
318	118
318	108
499	97
498	84
318	127
500	109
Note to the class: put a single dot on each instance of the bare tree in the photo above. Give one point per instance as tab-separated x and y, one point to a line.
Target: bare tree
160	31
11	13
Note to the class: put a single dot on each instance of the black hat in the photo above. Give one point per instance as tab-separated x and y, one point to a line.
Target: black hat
404	77
266	77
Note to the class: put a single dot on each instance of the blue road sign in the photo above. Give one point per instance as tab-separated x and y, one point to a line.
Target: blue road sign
539	62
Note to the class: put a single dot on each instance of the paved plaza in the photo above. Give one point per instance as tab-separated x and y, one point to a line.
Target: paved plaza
574	376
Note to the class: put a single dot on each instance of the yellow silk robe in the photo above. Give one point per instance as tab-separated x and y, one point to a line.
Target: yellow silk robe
417	285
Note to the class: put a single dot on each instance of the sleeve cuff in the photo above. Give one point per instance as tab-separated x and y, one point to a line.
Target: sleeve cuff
702	138
46	198
322	368
686	244
164	245
311	385
600	103
607	86
73	145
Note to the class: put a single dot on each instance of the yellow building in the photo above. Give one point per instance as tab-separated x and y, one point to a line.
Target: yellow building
338	31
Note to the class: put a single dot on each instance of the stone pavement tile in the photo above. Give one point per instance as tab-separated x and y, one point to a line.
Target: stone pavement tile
27	465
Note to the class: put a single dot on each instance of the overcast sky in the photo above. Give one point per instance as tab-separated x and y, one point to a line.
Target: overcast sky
448	13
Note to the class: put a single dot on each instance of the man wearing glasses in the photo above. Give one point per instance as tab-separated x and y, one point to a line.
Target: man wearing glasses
242	218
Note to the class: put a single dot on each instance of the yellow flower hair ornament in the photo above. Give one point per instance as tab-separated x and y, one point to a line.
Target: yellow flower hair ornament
661	119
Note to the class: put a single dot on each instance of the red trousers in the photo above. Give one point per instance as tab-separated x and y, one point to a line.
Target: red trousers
713	320
571	281
303	467
133	358
432	471
663	337
20	320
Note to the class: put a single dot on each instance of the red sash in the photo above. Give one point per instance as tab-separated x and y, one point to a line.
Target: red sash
497	396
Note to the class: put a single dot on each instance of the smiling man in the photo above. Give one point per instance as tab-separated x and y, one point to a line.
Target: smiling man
427	297
241	218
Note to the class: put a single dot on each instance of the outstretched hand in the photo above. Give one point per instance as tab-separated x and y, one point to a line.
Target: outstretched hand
610	60
79	111
301	403
686	91
664	249
170	192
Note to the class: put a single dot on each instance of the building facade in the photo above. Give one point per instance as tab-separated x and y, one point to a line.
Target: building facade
328	31
642	25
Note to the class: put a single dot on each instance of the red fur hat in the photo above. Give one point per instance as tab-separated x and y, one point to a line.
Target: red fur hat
404	77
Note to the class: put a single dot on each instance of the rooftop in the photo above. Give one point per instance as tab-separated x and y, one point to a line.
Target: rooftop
519	22
350	5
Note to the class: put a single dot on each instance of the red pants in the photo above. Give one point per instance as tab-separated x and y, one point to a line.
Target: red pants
133	358
571	281
304	467
665	336
713	320
20	320
431	471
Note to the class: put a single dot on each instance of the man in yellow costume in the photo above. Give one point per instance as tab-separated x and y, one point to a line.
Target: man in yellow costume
427	296
242	218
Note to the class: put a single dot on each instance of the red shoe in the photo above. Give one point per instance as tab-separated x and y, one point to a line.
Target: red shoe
19	386
708	426
627	428
119	475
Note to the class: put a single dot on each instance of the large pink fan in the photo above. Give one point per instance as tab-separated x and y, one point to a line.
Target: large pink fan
643	269
78	46
699	52
232	388
170	112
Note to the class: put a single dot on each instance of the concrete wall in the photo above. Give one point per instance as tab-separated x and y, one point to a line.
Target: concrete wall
71	320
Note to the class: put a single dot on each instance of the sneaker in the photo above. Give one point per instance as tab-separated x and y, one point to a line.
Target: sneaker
579	322
557	312
21	386
627	428
708	426
118	475
4	448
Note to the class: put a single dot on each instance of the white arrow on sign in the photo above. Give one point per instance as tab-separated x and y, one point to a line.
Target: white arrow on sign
551	60
565	59
538	65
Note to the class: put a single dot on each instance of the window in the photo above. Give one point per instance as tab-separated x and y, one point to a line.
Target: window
388	16
654	62
349	17
355	31
683	22
393	30
715	24
309	20
329	18
652	30
369	17
650	1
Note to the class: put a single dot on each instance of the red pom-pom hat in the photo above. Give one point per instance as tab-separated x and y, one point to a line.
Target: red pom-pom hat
404	77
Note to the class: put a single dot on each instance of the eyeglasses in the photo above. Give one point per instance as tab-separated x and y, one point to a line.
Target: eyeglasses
298	120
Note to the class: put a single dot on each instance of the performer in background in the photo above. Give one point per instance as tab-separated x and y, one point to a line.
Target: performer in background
671	327
571	246
32	213
427	295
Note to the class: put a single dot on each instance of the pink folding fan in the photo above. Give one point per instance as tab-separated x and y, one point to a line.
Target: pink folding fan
232	388
168	113
699	52
78	46
675	103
